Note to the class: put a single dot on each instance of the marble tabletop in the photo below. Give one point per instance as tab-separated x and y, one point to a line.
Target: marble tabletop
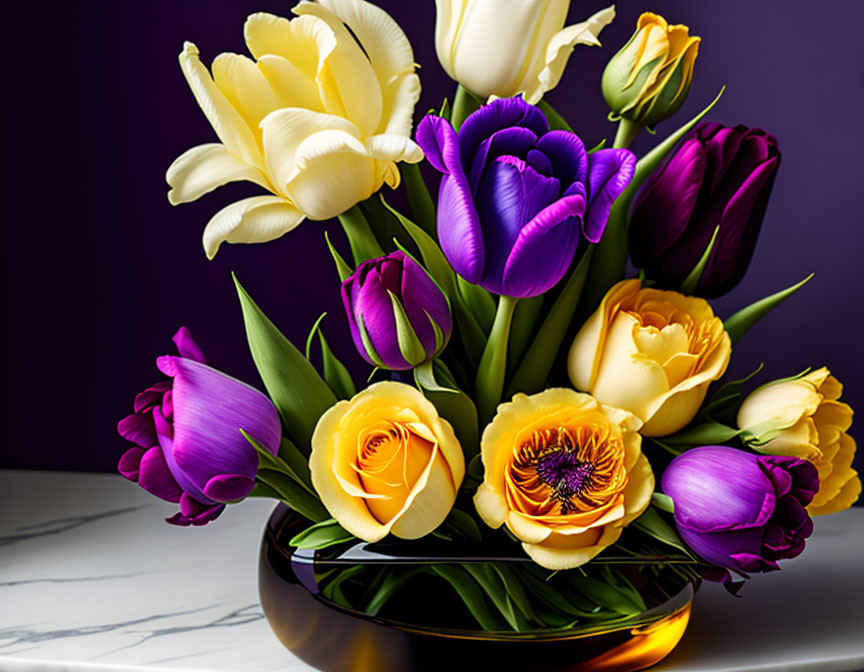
91	578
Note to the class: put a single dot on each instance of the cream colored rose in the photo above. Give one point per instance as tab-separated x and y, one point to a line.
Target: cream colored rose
651	352
316	117
804	418
506	47
564	473
386	462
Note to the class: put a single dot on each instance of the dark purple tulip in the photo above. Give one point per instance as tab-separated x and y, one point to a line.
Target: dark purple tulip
718	176
516	198
741	511
189	448
399	318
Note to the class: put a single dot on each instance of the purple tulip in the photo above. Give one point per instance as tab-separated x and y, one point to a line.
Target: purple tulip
516	198
741	511
189	448
718	177
399	318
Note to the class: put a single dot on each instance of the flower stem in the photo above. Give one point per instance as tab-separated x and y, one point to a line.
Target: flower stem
363	244
464	103
419	198
493	364
627	131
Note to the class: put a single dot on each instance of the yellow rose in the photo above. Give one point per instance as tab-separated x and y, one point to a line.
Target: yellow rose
318	118
564	473
385	462
649	79
506	47
652	352
803	418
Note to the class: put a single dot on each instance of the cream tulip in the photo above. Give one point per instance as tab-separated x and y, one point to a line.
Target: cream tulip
385	462
507	47
805	418
319	118
651	352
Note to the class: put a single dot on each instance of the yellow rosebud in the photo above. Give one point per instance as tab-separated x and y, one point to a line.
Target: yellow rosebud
319	118
564	473
385	462
649	79
652	352
506	47
804	418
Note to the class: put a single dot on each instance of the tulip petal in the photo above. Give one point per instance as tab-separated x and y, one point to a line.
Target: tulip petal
228	123
568	156
138	429
497	115
228	487
290	85
245	87
610	171
155	476
515	141
187	347
202	169
268	34
392	147
352	77
151	397
210	409
252	220
561	46
547	242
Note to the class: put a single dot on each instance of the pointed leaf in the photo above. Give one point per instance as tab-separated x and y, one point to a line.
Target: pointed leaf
326	533
342	268
663	502
741	322
298	392
409	343
452	403
479	302
693	278
293	494
464	525
706	434
364	245
312	333
654	525
419	198
392	583
335	372
471	594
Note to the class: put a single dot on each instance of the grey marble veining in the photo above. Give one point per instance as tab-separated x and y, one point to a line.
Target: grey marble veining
91	578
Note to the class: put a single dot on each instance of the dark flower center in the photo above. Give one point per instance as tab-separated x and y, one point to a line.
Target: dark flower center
562	471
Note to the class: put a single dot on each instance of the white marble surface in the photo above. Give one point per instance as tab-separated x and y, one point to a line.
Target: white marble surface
91	578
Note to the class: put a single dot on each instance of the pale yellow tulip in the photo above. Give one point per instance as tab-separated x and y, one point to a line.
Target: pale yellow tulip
385	462
319	117
564	473
651	352
804	418
506	47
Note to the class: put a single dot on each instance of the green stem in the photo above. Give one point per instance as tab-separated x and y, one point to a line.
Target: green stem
493	364
556	121
363	244
627	130
464	103
419	198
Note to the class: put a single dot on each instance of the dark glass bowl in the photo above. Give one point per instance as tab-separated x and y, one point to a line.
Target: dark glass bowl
424	628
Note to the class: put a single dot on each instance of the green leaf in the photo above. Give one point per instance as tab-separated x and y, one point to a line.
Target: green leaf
326	533
409	343
275	463
524	320
596	148
293	494
556	598
444	111
706	434
342	268
364	245
605	595
452	403
493	365
556	121
335	372
515	590
695	275
383	223
311	336
663	502
419	198
298	392
654	525
726	395
296	462
392	583
263	491
479	302
535	367
495	589
472	595
744	319
332	590
464	525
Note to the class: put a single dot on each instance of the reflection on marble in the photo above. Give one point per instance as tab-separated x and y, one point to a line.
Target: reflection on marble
91	578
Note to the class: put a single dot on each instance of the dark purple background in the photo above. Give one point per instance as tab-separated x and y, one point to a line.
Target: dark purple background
100	269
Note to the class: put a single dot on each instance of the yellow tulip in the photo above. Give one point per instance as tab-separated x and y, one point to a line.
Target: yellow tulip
564	473
384	462
649	79
319	118
651	352
804	418
506	47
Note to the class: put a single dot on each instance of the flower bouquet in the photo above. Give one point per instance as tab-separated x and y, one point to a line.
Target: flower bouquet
545	459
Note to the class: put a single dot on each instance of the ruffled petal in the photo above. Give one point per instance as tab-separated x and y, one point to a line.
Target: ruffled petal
252	220
610	171
202	169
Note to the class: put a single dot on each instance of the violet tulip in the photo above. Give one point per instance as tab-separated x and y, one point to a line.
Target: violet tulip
740	511
186	430
718	179
517	198
399	318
